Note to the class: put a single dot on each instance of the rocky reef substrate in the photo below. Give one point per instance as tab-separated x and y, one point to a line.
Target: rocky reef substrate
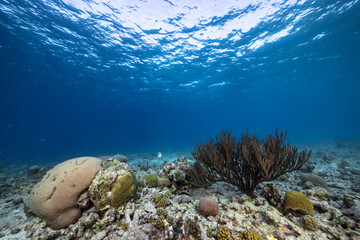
158	202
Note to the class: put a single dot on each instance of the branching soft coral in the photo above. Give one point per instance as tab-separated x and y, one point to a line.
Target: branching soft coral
246	162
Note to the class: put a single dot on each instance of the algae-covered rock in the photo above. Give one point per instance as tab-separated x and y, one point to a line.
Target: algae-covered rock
113	186
327	157
309	223
349	201
314	179
297	202
272	195
319	192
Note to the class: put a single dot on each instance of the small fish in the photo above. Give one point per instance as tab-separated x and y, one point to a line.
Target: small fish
159	154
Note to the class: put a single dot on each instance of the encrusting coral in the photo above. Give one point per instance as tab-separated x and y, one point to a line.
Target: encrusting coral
246	162
161	212
250	235
151	180
123	189
160	222
161	201
163	220
225	233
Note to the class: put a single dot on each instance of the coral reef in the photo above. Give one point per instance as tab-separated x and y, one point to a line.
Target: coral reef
250	235
162	202
113	186
272	195
175	174
319	193
161	212
162	221
225	233
173	212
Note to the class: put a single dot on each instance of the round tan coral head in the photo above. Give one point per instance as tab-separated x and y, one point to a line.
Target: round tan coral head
298	203
55	197
208	207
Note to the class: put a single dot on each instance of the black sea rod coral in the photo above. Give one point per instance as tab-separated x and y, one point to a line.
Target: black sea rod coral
245	162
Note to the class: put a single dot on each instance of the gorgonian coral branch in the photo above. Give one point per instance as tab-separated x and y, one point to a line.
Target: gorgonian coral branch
246	162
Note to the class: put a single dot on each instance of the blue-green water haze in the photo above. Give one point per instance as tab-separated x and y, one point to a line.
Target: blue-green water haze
104	77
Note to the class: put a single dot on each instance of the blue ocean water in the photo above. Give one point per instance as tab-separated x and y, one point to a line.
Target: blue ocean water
91	77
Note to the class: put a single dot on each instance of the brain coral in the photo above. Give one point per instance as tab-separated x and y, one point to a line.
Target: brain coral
208	207
54	198
296	201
